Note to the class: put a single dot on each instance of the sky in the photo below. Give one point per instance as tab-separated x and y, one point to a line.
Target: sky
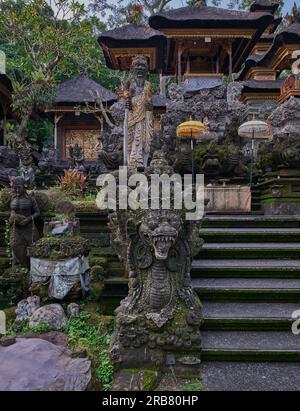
288	4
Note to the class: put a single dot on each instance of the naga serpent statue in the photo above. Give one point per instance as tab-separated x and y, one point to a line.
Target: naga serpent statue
161	315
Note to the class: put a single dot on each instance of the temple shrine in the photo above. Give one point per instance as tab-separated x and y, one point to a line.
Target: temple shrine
198	45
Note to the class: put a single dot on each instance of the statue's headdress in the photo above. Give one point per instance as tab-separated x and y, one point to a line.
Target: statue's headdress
17	181
140	59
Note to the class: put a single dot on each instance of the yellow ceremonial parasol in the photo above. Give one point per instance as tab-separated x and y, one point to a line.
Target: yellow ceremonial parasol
191	129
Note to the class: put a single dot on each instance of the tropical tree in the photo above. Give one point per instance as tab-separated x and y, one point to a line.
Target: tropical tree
45	42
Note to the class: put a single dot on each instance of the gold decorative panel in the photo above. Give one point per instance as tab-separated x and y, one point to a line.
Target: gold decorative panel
87	139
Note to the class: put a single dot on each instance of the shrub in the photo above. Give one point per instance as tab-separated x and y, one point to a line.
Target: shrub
73	183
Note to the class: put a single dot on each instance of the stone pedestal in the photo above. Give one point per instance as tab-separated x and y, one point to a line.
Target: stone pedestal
280	196
228	198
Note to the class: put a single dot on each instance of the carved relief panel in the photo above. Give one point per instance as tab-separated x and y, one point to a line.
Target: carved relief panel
87	139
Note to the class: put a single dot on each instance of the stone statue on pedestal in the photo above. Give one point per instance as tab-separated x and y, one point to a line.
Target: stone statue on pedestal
24	210
140	122
77	157
161	315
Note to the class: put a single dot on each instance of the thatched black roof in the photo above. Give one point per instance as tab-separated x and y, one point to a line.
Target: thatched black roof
264	5
267	39
82	90
209	17
130	32
132	36
288	35
252	61
262	85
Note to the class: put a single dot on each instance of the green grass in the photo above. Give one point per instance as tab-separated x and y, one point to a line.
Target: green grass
83	333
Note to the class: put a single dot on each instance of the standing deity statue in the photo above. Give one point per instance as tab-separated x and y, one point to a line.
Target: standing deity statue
140	121
24	210
26	168
77	157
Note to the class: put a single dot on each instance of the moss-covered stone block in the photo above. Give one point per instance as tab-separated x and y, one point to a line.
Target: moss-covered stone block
98	261
10	313
97	272
136	380
4	262
96	289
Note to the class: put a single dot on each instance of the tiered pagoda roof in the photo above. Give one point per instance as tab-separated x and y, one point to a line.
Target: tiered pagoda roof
278	57
208	17
210	28
121	44
265	6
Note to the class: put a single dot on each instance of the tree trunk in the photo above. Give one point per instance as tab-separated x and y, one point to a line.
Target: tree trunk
20	132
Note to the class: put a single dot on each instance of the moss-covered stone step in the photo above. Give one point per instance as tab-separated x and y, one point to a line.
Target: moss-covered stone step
250	376
248	316
242	268
3	251
219	272
115	287
246	324
251	221
115	269
4	262
249	251
250	235
247	289
250	355
250	346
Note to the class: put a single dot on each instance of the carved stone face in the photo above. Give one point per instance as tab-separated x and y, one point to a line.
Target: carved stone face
161	232
139	67
18	186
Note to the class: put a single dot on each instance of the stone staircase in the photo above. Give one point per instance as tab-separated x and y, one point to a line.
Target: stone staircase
248	278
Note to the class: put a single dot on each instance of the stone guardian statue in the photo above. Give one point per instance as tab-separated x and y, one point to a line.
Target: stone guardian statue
140	122
24	210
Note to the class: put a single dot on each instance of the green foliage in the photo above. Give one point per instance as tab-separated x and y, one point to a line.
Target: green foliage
104	372
193	386
85	335
5	199
90	197
39	132
44	46
22	328
7	240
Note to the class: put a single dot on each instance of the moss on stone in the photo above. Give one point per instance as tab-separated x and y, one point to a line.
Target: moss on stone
10	313
4	262
97	272
59	248
98	261
149	378
83	206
